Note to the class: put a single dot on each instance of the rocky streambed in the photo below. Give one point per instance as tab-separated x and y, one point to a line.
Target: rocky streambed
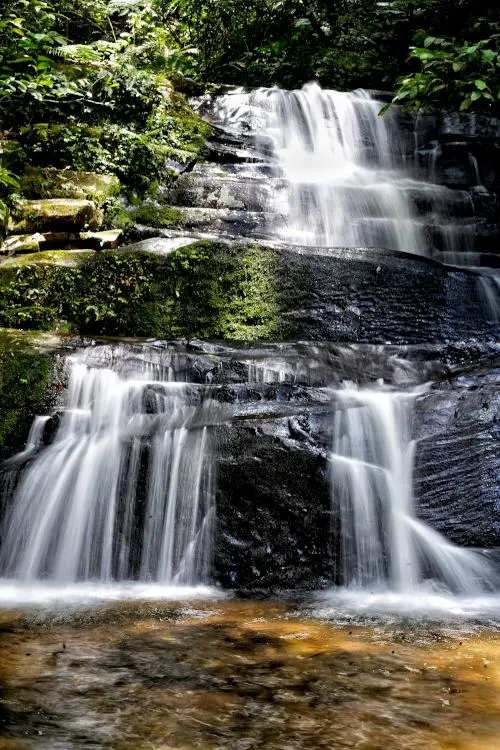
229	674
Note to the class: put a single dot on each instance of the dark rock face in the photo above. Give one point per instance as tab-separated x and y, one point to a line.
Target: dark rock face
464	150
457	465
273	508
277	522
378	297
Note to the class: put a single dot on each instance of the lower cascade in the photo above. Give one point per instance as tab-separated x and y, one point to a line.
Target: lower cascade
383	543
124	490
120	484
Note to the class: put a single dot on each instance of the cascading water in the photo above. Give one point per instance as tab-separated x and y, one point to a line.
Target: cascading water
125	489
338	159
343	176
383	543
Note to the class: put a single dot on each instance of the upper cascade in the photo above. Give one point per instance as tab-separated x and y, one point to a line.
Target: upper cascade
335	173
342	175
341	165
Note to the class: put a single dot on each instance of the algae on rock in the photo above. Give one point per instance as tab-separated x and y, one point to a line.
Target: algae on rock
56	213
4	219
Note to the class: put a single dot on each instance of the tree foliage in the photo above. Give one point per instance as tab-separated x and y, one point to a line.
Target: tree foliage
452	75
98	76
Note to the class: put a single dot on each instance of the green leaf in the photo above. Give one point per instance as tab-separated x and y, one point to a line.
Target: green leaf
475	96
481	85
488	54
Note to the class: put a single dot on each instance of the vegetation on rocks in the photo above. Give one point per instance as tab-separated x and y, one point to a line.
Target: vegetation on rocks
207	289
95	85
24	381
89	85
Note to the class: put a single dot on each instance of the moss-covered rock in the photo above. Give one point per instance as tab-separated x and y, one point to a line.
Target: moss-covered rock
24	383
238	291
157	216
21	243
56	213
65	258
207	289
108	239
149	214
49	182
138	158
4	219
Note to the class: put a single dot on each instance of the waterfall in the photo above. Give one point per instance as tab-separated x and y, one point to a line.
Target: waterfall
338	160
383	543
123	491
343	176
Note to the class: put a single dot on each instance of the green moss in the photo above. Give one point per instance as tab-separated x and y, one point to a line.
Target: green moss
154	216
48	182
71	258
137	158
24	381
117	217
207	289
4	219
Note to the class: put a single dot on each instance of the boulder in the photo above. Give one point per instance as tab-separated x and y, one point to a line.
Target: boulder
107	240
56	214
49	182
19	244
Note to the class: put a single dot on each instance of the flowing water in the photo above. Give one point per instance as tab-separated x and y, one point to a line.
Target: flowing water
113	498
340	165
383	543
343	176
243	676
123	490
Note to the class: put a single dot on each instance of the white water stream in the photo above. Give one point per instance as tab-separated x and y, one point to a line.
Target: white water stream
344	176
339	161
124	491
383	543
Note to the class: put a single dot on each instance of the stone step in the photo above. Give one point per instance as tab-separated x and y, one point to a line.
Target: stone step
58	214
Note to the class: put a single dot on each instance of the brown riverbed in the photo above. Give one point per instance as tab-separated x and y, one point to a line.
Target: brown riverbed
238	675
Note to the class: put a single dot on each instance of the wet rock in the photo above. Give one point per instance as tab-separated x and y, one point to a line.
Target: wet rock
457	468
107	240
469	124
158	245
273	509
212	190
